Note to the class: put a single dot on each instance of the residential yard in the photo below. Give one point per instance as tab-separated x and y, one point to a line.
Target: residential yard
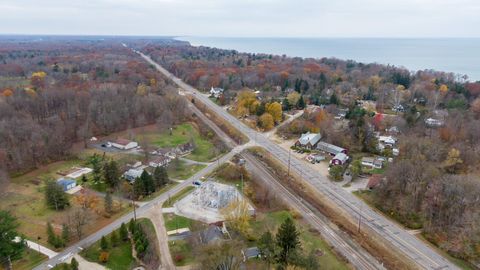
120	257
26	200
29	260
173	222
311	240
182	171
205	151
182	253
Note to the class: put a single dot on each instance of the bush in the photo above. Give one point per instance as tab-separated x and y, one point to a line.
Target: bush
178	258
103	257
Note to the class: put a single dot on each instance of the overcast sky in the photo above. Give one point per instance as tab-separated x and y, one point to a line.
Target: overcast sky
240	18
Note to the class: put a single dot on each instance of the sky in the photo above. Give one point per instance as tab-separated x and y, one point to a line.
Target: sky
243	18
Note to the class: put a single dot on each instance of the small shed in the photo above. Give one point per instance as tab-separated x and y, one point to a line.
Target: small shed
66	183
250	253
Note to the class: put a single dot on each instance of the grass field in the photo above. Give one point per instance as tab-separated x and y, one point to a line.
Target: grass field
184	192
310	241
183	171
29	260
173	222
181	252
25	199
120	257
183	133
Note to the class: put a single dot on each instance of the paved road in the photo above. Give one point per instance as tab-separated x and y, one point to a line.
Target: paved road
417	251
352	251
141	211
42	249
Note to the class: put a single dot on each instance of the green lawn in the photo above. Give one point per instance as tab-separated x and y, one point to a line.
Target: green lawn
120	257
184	192
160	191
29	260
204	151
173	222
310	240
181	252
182	171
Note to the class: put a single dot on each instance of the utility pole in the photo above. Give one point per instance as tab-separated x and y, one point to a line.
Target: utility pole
134	212
360	217
242	183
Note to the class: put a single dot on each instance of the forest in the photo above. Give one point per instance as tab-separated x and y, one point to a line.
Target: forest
432	185
55	92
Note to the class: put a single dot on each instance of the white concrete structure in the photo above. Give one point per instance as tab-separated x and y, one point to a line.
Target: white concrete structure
124	144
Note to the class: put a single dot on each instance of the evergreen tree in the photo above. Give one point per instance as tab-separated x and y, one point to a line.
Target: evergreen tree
54	196
334	99
131	226
287	241
84	179
123	232
266	245
261	109
114	239
108	203
97	167
111	173
103	243
138	188
286	104
148	184
141	240
9	249
74	264
301	103
160	176
51	237
65	233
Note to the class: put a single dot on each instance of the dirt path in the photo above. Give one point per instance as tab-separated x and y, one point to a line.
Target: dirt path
156	216
86	265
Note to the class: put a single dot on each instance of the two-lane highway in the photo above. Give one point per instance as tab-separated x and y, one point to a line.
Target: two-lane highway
420	253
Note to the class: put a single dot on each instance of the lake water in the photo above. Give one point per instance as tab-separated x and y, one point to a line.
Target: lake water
457	55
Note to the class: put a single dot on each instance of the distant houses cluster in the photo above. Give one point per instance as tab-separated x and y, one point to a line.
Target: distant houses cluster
161	158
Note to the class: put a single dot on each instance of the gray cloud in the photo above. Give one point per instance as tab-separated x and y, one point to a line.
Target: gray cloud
305	18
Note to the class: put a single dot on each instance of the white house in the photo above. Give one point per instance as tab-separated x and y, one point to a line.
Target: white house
308	140
387	140
124	144
339	159
133	174
159	161
216	92
431	122
372	162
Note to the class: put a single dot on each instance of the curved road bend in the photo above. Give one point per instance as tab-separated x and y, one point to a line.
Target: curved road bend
419	252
